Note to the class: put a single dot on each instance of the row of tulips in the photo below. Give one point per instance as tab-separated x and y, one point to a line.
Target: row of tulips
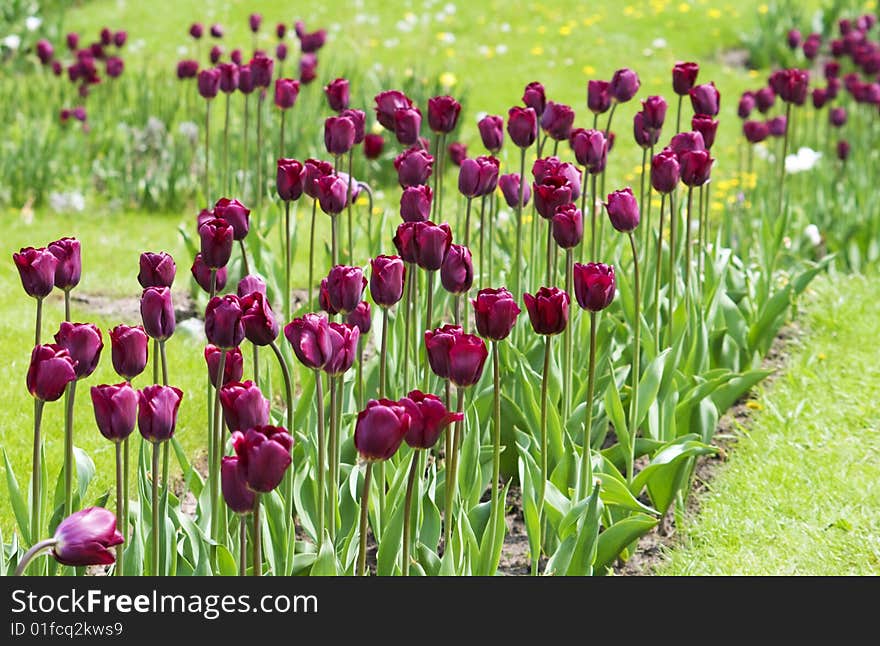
308	481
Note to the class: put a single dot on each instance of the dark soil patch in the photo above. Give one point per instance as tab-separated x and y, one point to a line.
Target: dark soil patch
127	309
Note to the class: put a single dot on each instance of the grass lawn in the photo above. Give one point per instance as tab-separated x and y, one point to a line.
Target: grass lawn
801	492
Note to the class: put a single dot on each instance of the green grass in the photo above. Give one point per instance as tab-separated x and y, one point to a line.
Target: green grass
801	492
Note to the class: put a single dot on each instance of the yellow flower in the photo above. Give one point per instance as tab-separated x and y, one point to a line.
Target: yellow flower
377	210
763	9
362	200
565	30
821	356
684	7
447	79
714	14
541	29
754	405
589	69
537	50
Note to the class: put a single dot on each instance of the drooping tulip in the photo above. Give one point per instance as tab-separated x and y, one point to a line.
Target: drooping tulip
428	417
85	538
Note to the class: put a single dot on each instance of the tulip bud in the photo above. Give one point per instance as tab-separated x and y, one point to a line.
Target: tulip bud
644	137
552	192
45	51
495	312
216	238
820	97
386	280
811	46
684	76
686	141
831	70
84	343
567	225
380	429
428	417
790	85
258	320
457	153
535	97
157	412
793	38
443	114
344	287
405	241
236	215
251	284
115	410
665	171
262	70
289	179
438	344
407	124
510	189
264	456
337	93
837	117
373	145
387	103
156	269
755	131
228	77
492	132
478	176
706	126
696	165
623	210
281	53
233	368
223	324
310	338
187	69
590	149
557	120
339	134
746	105
624	85
764	99
414	167
157	312
777	126
594	285
243	406
843	149
209	83
216	31
36	269
128	350
246	79
69	267
202	273
598	96
254	21
548	310
286	93
522	126
360	317
343	348
85	538
50	370
310	42
705	99
72	40
430	244
332	193
238	497
415	203
457	270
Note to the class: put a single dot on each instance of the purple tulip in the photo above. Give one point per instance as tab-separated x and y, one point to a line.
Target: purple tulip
684	76
309	336
777	126
264	456
414	167
746	104
217	31
843	149
216	237
338	94
623	210
790	85
706	126
157	412
45	51
492	132
510	189
223	324
548	310
243	406
552	192
837	117
332	193
696	165
478	176
387	275
344	288
289	179
380	429
387	103
590	149
457	270
598	96
128	347
373	146
495	312
552	166
259	322
705	99
187	69
430	244
36	269
84	343
343	348
286	93
624	85
567	225
233	365
557	120
202	273
115	410
405	241
85	538
157	313
156	269
456	356
522	126
339	135
594	285
228	77
644	137
443	114
415	203
535	97
209	83
756	131
310	42
262	69
233	482
665	171
251	284
115	67
457	153
764	99
69	268
687	141
50	370
407	124
428	417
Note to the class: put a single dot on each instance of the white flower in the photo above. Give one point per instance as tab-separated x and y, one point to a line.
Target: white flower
648	52
812	234
67	202
804	159
32	23
659	43
501	49
189	130
12	41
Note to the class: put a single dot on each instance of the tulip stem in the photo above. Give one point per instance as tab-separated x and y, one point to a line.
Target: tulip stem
36	471
593	217
678	115
164	361
586	455
322	459
496	444
334	248
348	196
637	325
482	236
332	482
281	138
226	184
657	275
34	552
542	486
258	535
360	374
243	184
610	117
646	238
287	298
311	262
154	474
207	150
218	451
782	159
407	511
467	223
517	262
407	319
550	278
244	258
123	520
66	304
567	373
38	325
256	357
451	467
687	245
642	180
242	546
429	311
383	353
365	505
120	505
259	175
441	162
673	280
69	397
288	394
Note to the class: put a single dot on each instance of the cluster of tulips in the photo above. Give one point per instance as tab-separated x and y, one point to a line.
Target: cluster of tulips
304	464
83	68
